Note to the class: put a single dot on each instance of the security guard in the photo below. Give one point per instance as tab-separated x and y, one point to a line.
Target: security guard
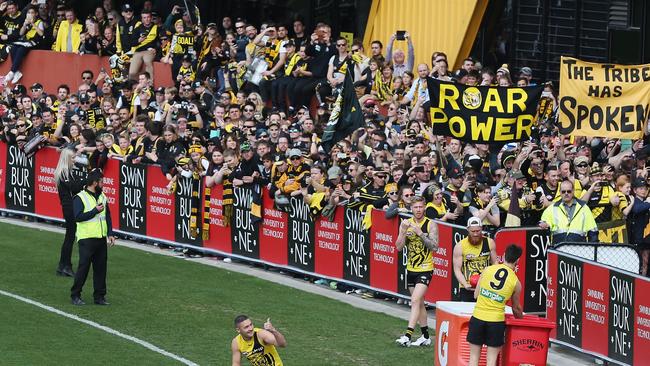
570	220
471	256
498	284
94	233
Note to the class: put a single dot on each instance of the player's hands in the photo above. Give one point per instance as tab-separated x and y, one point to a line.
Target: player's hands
268	326
111	241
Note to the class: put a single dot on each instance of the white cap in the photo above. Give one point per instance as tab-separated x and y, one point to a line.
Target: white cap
474	221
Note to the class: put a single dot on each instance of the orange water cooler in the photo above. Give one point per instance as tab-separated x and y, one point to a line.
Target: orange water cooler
452	324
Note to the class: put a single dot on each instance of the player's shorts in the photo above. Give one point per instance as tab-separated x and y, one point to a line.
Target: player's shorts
413	278
491	334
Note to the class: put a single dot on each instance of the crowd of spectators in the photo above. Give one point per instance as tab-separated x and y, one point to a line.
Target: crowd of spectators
250	102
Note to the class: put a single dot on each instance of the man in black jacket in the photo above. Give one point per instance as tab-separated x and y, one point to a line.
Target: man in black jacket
95	234
320	50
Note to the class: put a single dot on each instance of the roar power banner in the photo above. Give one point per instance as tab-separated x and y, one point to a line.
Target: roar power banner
482	114
340	249
603	100
599	309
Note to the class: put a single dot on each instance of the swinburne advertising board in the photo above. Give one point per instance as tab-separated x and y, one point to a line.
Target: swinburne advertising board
599	309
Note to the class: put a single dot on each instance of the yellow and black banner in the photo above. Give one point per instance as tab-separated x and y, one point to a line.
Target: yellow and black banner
614	231
482	114
603	100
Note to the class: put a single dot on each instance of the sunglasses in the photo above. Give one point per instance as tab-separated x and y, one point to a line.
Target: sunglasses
354	50
295	158
341	45
72	102
565	192
111	19
380	176
85	103
240	27
264	136
86	77
392	193
249	110
582	165
409	194
20	125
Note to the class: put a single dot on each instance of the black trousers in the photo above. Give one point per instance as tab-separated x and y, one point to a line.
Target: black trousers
304	90
91	251
279	89
70	231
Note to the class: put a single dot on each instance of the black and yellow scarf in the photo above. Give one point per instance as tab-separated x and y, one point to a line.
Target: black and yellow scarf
384	89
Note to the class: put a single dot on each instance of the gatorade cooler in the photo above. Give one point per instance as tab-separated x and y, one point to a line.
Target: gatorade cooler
452	325
526	341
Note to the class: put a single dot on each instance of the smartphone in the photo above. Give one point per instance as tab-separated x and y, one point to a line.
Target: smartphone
41	2
400	35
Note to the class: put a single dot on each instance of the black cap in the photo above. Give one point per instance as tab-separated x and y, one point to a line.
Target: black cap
160	90
127	7
211	25
19	89
197	84
455	172
36	86
639	182
84	98
187	58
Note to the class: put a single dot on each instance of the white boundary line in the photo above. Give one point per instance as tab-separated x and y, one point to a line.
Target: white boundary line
106	329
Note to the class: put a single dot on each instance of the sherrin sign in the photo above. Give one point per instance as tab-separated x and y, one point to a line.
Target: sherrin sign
603	100
481	113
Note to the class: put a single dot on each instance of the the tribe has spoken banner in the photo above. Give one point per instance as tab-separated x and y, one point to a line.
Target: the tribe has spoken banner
356	248
245	233
133	198
301	235
481	113
599	309
20	180
603	100
531	270
185	203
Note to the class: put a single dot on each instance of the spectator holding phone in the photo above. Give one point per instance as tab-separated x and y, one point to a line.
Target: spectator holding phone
396	58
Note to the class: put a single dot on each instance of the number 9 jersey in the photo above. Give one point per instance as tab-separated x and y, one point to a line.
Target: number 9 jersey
496	286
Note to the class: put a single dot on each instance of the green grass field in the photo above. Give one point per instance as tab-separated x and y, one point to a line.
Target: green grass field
182	307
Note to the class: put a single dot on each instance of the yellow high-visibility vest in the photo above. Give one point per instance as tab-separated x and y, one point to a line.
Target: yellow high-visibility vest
560	223
97	226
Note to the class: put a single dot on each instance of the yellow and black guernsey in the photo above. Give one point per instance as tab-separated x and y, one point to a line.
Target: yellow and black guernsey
497	284
419	257
600	205
258	353
475	257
